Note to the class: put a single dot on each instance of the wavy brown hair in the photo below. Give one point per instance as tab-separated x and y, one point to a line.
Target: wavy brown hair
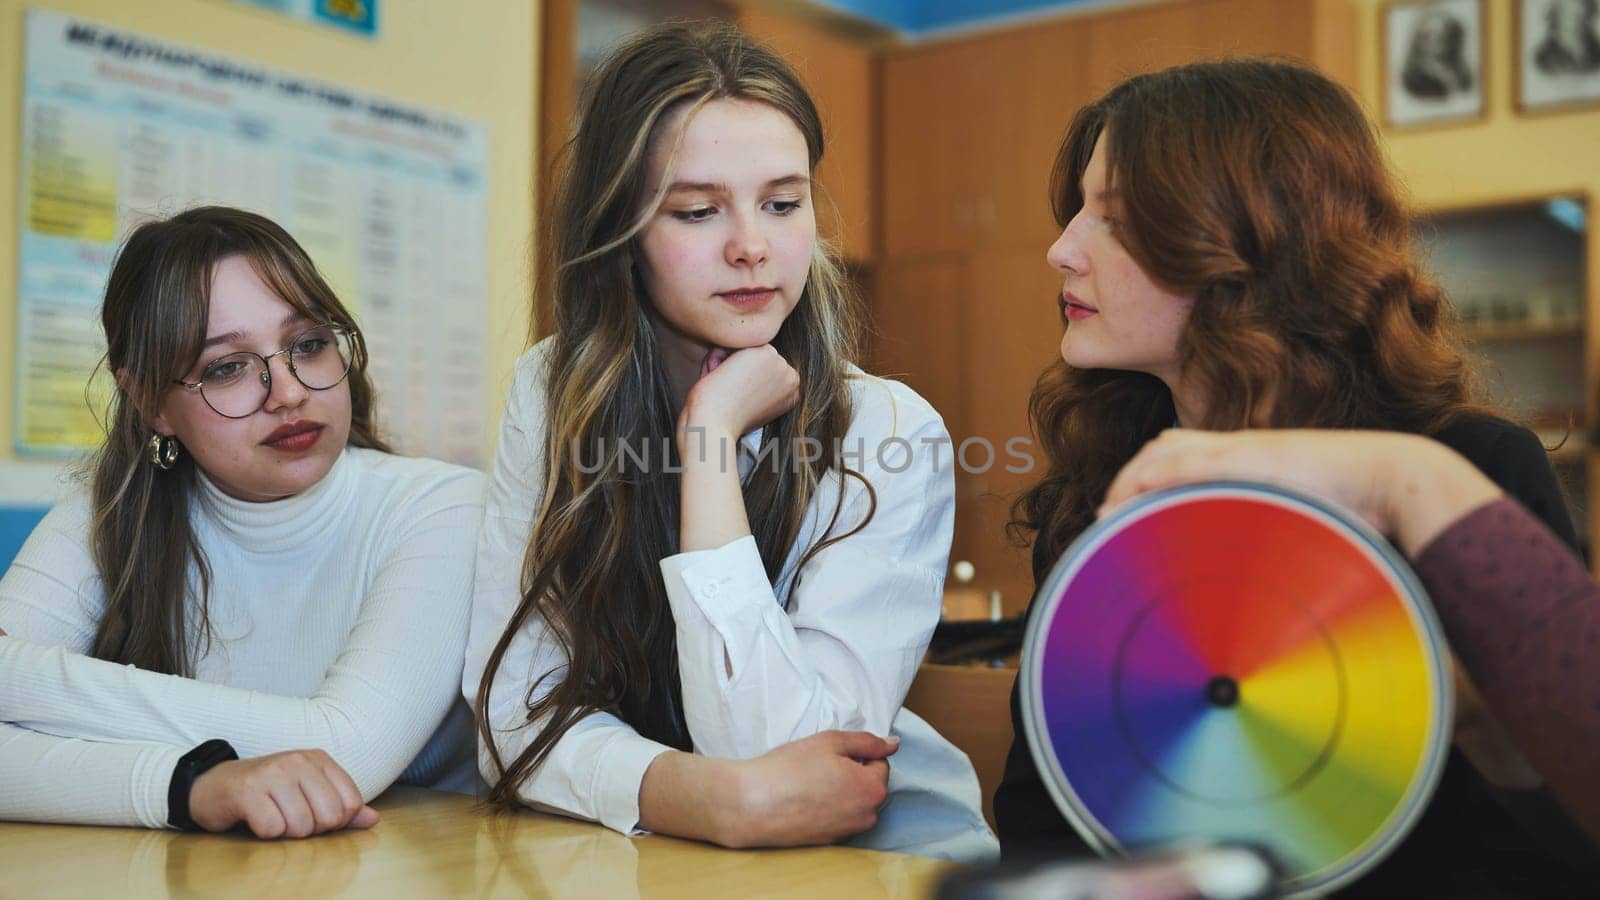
155	315
592	569
1257	186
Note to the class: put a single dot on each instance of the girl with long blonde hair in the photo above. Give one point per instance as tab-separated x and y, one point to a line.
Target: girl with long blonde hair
714	549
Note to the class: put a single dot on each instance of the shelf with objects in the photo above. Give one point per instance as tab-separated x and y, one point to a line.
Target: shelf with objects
1518	275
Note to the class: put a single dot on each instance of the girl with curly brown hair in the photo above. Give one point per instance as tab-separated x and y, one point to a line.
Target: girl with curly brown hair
1235	254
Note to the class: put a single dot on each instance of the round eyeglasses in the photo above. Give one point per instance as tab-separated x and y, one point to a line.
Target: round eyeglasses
238	384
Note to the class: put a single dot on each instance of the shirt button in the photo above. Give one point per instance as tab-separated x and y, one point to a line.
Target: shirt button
709	591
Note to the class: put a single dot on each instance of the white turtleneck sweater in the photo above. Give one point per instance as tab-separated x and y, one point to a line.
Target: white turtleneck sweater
339	621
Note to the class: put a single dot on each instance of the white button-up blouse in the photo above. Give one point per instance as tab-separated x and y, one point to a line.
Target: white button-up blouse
756	675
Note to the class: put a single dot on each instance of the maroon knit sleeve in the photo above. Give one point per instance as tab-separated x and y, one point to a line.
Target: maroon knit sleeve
1523	616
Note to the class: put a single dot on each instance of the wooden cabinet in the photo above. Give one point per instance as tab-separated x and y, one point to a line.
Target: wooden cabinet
923	163
920	330
963	301
971	127
1015	334
969	132
1143	39
972	332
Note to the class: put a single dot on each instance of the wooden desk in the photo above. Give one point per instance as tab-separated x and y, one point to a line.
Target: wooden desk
438	845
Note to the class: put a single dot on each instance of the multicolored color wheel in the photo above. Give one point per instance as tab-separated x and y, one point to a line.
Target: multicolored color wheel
1238	662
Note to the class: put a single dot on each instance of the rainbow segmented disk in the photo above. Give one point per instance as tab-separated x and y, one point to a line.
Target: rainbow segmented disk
1238	662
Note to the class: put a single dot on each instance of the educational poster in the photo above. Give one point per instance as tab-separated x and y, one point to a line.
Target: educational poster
390	200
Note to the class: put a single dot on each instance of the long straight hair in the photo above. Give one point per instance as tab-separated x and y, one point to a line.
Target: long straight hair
591	572
1259	187
155	317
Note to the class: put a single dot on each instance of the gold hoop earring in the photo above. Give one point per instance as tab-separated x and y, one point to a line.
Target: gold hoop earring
163	451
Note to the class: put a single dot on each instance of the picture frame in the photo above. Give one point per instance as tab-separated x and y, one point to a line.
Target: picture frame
1434	62
1558	54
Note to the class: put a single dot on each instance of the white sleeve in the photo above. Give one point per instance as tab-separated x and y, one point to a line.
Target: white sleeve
595	770
45	778
51	594
861	612
382	699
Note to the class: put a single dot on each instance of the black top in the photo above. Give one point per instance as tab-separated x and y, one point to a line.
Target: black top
1474	840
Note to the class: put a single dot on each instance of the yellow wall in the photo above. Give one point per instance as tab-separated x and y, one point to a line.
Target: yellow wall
474	58
1509	154
1506	156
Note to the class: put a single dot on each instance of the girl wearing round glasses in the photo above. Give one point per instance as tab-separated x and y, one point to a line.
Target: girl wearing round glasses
253	614
713	549
238	384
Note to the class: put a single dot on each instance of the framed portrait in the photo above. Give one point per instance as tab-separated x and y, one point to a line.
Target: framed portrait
1558	53
1433	62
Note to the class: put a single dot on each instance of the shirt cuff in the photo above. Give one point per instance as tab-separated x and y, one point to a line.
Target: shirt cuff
620	770
717	581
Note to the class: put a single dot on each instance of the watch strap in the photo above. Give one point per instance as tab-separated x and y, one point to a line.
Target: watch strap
191	766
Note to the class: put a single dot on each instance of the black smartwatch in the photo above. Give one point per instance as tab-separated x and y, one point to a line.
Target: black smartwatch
195	763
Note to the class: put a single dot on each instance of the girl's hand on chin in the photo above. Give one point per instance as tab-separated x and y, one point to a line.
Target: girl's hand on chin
713	359
738	391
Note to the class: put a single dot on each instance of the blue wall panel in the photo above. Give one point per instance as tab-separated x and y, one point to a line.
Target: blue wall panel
16	523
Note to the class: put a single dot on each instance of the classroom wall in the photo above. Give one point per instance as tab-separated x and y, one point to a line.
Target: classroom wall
474	58
1506	155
